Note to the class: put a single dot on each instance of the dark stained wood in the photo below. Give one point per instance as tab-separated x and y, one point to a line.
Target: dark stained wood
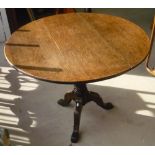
77	47
81	96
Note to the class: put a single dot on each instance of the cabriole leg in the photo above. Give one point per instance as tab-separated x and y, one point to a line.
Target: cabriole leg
77	115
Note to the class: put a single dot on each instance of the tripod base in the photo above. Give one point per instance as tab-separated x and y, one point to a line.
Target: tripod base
81	96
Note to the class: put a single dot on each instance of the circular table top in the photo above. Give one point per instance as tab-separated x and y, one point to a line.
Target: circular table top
77	47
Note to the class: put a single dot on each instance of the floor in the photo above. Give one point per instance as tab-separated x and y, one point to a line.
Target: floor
29	109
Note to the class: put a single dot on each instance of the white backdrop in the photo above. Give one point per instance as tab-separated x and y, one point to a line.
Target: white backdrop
4	27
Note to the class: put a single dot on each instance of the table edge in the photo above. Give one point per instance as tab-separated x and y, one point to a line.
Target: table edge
73	82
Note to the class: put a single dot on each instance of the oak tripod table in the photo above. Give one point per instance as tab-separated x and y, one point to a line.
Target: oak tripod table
77	48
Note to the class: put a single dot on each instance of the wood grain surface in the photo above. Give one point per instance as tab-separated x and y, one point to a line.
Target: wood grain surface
77	47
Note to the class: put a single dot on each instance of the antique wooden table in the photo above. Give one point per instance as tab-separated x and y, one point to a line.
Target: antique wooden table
77	48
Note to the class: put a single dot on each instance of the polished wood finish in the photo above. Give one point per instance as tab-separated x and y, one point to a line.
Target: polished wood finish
150	69
18	17
81	96
77	47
